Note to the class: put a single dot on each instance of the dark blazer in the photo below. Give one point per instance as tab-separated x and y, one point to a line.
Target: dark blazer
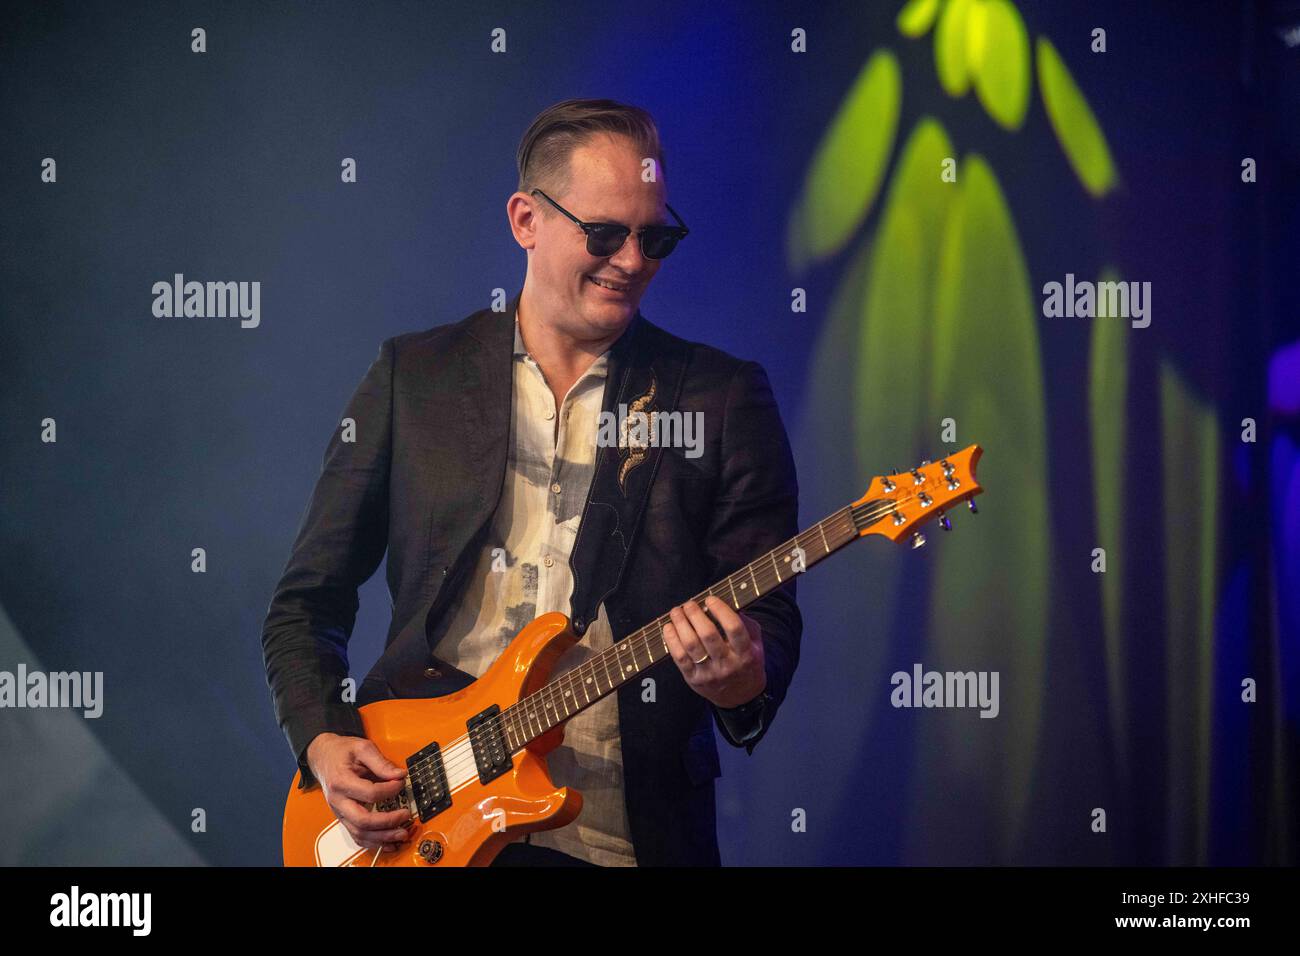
422	480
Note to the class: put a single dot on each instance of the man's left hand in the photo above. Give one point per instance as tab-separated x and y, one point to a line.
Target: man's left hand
732	673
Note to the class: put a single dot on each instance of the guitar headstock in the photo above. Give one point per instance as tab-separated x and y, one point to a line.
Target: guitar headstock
896	505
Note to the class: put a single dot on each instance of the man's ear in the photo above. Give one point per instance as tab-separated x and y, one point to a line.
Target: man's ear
522	214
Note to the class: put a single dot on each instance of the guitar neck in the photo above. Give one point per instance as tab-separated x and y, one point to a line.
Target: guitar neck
601	675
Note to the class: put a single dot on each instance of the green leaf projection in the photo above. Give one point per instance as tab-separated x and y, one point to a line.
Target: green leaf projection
1190	451
935	318
894	412
916	18
1107	401
950	59
1077	130
997	52
848	166
981	44
990	597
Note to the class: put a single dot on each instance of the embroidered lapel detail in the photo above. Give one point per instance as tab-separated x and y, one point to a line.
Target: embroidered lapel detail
634	432
646	363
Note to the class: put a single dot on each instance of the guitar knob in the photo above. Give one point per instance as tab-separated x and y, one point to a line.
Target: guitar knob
944	523
918	540
970	503
430	851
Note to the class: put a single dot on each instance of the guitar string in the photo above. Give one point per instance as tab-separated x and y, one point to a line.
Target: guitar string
534	707
461	761
537	705
549	698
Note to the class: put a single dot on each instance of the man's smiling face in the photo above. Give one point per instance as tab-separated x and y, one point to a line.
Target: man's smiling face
604	185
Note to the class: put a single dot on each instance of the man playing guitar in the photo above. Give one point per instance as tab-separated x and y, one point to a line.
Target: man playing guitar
476	463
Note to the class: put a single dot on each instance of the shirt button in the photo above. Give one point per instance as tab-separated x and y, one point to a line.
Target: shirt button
549	561
556	487
550	415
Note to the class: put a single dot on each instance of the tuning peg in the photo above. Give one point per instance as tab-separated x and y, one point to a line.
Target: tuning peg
970	503
944	523
918	540
924	462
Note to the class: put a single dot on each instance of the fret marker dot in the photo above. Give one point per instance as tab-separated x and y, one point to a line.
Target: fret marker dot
743	585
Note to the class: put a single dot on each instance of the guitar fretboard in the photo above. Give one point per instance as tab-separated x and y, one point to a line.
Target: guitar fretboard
601	675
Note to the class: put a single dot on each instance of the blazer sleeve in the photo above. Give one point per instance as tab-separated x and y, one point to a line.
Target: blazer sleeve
756	509
340	542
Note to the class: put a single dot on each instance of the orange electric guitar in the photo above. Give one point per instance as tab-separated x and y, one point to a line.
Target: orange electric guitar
476	758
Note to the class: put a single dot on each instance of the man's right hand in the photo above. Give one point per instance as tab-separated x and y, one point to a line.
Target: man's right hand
353	774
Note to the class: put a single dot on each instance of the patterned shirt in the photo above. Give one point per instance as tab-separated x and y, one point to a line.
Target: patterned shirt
523	571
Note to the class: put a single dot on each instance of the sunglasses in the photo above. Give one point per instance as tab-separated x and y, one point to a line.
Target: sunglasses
606	238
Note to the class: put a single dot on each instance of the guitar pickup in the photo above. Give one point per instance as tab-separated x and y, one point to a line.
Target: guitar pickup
428	782
488	738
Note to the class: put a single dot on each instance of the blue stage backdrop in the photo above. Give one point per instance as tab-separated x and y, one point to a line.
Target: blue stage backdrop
901	210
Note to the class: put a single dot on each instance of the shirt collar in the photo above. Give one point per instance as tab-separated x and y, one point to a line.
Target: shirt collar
519	340
597	367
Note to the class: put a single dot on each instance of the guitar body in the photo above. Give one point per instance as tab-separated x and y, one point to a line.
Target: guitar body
481	818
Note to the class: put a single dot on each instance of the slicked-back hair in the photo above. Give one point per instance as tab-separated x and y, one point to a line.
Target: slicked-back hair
544	151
